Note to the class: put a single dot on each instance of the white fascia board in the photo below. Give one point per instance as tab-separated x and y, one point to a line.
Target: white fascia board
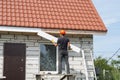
19	29
75	32
39	33
29	30
35	30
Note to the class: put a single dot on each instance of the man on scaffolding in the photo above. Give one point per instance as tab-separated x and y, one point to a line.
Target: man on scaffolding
63	44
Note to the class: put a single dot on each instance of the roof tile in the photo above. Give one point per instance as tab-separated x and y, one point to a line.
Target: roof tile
27	23
55	14
4	22
14	22
18	23
22	23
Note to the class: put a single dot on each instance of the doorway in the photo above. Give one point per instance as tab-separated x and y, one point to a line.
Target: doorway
14	61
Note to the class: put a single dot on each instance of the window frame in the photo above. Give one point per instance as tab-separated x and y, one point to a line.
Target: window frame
46	72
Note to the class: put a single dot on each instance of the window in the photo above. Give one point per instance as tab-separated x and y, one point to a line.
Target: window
48	57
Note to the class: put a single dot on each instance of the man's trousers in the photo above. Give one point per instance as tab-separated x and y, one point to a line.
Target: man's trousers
63	54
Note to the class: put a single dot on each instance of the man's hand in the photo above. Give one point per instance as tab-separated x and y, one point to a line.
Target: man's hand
52	41
55	44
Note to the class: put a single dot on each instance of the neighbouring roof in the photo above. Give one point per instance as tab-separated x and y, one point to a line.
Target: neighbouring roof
51	14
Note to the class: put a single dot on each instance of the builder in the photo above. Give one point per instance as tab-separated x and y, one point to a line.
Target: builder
63	44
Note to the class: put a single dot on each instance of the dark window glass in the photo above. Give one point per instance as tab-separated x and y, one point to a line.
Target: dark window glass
47	57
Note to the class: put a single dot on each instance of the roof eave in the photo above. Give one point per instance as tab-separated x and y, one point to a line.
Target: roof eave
77	32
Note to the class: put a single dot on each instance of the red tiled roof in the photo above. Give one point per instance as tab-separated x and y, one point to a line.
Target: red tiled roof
56	14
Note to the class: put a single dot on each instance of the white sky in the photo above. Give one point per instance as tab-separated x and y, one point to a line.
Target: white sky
109	11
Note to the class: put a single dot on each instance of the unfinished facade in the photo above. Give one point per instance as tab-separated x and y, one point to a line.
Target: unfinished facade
25	54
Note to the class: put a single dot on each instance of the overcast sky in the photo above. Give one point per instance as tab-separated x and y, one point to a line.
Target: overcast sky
109	11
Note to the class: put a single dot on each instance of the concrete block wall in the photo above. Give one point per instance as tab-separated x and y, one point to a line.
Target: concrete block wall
33	51
85	42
